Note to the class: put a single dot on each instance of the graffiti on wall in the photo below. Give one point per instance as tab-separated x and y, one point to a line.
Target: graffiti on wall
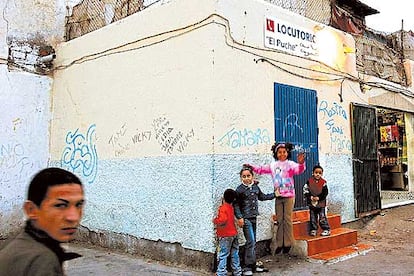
80	155
14	163
291	126
115	141
169	138
335	119
122	141
236	138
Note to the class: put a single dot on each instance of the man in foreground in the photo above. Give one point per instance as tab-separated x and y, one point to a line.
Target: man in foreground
53	208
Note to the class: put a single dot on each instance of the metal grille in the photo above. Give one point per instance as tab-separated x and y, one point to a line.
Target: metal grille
365	159
317	10
90	15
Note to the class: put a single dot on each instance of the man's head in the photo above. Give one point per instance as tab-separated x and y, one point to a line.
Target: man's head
55	203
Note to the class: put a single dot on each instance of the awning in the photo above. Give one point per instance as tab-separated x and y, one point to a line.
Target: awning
393	100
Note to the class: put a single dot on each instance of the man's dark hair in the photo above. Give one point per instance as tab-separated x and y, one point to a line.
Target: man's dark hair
229	195
46	178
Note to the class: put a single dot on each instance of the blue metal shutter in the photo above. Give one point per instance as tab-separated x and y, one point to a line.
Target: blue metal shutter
296	122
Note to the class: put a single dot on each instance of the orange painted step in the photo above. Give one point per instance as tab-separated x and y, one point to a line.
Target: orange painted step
341	254
300	228
301	215
340	237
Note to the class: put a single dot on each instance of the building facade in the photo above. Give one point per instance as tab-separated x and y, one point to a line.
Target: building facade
158	111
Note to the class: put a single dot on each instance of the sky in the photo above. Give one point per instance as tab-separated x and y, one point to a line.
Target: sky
391	13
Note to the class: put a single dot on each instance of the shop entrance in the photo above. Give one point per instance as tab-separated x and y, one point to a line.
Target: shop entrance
365	160
392	147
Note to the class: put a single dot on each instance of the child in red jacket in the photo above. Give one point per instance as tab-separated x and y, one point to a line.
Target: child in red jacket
227	236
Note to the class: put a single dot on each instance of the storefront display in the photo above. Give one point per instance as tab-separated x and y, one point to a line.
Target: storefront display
392	149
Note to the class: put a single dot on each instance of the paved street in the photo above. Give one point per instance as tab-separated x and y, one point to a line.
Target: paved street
391	234
97	261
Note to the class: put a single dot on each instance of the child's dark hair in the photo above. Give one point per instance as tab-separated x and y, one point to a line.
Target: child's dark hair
276	146
317	167
246	167
230	195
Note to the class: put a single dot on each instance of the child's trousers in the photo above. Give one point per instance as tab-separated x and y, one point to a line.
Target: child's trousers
249	231
284	208
318	216
228	246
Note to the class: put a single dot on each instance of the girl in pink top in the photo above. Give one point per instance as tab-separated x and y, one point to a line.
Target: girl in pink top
282	171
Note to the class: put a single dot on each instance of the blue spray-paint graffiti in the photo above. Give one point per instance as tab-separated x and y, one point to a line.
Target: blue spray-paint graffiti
79	155
340	144
333	115
331	111
241	138
336	121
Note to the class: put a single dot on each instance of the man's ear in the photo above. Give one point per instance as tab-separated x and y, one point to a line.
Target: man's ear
31	209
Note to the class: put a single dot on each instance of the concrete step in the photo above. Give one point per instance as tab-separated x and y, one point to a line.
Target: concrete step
339	238
341	254
300	215
342	244
300	227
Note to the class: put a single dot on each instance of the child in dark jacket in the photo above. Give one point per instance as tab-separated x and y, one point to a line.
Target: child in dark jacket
315	191
246	209
227	236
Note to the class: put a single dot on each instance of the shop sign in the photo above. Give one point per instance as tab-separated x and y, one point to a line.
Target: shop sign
288	37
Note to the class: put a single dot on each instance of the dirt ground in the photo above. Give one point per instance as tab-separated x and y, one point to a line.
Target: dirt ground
391	233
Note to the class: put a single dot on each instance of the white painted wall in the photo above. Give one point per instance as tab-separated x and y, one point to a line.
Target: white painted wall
25	105
24	140
147	112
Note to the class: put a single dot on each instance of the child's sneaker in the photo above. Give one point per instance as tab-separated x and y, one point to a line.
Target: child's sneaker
247	272
325	233
313	233
261	269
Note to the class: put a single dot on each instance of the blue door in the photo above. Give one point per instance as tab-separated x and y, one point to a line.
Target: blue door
296	122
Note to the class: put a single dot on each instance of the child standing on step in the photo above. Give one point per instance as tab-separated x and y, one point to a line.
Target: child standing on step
227	235
282	170
315	191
